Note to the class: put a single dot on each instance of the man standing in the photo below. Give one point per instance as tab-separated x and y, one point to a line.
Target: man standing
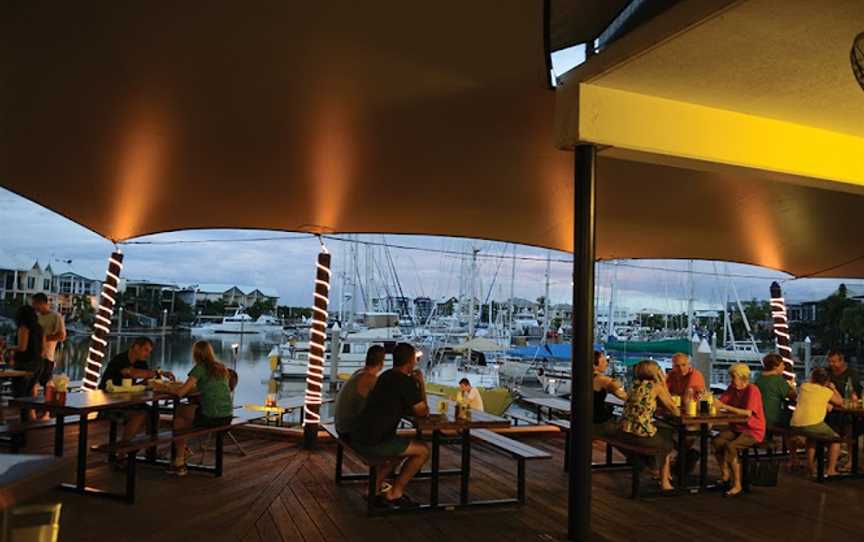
399	392
131	364
352	398
54	330
684	376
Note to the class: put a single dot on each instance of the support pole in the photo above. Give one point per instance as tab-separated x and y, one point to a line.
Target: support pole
579	512
781	329
102	326
315	362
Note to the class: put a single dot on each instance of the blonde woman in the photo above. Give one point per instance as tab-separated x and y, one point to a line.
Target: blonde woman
637	421
215	408
815	400
744	399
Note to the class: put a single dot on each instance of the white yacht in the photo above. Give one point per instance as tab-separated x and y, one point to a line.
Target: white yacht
238	323
353	345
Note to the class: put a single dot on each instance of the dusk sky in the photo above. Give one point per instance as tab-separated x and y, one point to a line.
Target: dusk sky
287	264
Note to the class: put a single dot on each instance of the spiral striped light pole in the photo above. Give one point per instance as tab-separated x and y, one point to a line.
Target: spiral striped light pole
102	325
317	340
781	329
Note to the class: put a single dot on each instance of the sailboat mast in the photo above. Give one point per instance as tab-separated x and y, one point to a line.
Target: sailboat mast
474	252
512	287
546	296
691	314
610	320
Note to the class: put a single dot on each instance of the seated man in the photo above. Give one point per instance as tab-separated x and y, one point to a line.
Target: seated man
681	378
470	395
131	364
352	398
399	392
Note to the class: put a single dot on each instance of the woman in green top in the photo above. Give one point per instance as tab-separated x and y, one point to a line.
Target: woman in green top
215	408
775	390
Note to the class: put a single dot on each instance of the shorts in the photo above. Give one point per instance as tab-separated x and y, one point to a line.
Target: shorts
819	430
392	447
46	372
608	428
122	416
731	442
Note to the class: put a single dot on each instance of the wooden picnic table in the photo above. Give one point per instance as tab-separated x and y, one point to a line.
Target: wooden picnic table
282	407
85	403
25	476
550	404
439	423
14	373
684	426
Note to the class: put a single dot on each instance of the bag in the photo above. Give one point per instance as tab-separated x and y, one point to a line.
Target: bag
763	473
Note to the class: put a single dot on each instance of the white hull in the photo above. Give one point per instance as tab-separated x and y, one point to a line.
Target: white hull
235	329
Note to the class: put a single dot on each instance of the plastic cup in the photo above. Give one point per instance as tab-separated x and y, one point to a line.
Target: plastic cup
126	383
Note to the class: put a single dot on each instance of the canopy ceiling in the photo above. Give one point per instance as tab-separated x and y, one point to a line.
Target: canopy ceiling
580	21
737	121
137	118
387	116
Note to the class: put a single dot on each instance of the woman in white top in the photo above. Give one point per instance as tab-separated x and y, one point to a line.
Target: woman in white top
470	395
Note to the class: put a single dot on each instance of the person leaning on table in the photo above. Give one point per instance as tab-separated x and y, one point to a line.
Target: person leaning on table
130	364
744	399
604	422
815	399
637	420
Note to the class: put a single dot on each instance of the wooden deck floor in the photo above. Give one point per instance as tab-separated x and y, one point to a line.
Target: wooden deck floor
281	492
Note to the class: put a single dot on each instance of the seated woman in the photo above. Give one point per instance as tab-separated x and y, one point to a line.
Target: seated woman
637	421
604	421
744	399
815	399
210	378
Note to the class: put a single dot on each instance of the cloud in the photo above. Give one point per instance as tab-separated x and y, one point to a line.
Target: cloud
287	265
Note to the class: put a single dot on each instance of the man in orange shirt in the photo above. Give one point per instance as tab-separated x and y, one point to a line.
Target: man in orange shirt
683	376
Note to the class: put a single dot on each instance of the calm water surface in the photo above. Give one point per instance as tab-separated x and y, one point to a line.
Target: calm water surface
174	353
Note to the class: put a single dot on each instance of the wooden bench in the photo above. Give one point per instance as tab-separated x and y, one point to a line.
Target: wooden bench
130	449
13	434
519	451
372	462
821	442
517	418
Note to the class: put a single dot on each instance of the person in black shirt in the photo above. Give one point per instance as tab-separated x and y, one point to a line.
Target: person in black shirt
399	392
27	355
131	364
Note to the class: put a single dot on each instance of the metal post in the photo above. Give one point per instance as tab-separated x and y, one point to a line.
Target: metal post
335	351
579	512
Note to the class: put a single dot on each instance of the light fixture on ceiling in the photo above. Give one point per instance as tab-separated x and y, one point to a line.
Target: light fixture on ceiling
856	57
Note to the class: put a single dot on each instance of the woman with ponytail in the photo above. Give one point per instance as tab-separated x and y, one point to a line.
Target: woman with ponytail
215	408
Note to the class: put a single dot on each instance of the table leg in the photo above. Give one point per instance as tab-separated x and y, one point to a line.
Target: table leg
112	439
682	456
856	435
539	414
466	466
59	426
434	479
176	403
154	430
81	479
703	456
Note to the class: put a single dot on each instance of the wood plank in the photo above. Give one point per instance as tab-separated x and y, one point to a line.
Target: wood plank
267	529
285	521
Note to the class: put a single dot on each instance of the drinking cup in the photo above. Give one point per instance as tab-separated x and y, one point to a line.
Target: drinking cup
126	383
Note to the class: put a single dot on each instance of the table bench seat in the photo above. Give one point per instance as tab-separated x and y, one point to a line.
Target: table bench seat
130	449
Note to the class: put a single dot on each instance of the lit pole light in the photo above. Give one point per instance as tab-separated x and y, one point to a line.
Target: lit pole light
781	329
317	340
102	325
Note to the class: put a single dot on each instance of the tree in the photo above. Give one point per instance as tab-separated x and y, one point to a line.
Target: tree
852	324
828	319
213	308
259	308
